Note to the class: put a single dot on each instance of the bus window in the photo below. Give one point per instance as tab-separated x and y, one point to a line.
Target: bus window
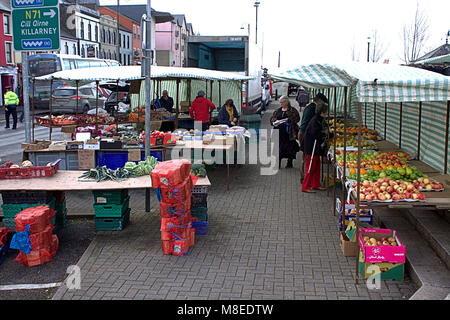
43	66
66	64
82	64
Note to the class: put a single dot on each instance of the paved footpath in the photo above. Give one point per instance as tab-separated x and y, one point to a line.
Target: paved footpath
266	240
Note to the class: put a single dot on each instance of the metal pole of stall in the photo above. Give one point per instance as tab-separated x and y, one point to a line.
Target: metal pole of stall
328	141
365	114
446	138
385	119
334	152
96	106
76	108
358	187
25	94
374	116
177	102
400	126
51	109
419	130
345	158
32	106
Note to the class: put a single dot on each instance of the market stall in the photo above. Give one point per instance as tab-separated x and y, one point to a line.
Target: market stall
403	94
115	135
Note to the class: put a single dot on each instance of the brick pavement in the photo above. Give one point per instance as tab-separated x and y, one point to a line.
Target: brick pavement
266	240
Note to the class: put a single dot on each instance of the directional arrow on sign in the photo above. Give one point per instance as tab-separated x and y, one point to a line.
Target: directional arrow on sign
50	13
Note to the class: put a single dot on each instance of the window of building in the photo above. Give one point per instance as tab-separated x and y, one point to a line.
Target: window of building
8	52
134	31
82	30
6	24
96	33
89	32
82	51
128	42
103	35
66	45
74	49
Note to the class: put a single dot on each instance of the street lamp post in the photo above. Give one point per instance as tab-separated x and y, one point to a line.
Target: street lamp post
368	49
256	5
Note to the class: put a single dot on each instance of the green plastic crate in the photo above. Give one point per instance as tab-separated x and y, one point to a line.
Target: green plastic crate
11	210
111	210
110	196
112	224
201	213
10	223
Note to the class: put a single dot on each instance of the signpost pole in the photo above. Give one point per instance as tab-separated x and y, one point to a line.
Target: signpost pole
25	93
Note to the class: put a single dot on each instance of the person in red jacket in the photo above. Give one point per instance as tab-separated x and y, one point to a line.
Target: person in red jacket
200	110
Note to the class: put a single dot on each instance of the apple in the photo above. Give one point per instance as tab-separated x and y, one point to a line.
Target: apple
381	197
386	180
383	188
369	189
384	239
390	189
385	184
415	196
429	187
421	196
410	186
380	181
366	238
385	243
377	190
426	181
387	196
390	239
393	243
402	196
369	197
400	190
396	197
362	197
420	179
366	183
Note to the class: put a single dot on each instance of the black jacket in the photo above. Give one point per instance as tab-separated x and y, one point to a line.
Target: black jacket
314	132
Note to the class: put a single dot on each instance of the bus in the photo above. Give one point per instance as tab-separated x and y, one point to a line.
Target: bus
46	63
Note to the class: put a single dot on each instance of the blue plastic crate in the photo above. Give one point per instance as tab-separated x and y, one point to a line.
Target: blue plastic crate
201	227
117	159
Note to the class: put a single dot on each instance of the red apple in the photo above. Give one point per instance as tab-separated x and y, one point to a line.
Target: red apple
421	196
390	189
381	197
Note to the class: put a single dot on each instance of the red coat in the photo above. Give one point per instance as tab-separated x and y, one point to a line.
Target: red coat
200	109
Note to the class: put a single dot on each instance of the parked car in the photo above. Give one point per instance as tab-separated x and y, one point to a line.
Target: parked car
65	99
112	102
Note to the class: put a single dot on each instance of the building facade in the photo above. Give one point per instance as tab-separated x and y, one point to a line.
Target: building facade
8	70
126	46
108	38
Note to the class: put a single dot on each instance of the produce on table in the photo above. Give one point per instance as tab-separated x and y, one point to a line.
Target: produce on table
353	142
103	174
27	164
368	241
373	160
143	167
198	170
387	189
353	131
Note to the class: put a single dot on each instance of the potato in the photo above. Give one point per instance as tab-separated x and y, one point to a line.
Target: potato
27	163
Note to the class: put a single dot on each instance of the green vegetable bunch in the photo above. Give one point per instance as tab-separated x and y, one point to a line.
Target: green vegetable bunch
198	170
143	167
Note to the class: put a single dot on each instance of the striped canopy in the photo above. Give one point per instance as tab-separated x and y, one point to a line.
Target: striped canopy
373	82
134	73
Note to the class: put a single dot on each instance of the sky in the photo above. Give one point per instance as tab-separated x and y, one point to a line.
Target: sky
316	31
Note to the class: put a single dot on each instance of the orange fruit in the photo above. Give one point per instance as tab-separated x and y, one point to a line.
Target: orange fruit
352	171
363	171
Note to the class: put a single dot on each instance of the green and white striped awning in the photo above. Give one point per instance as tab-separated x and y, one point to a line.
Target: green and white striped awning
124	73
373	82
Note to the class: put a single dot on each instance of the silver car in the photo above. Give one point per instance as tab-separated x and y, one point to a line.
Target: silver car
64	99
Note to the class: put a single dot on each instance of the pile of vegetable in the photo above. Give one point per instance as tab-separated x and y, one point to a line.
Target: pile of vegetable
143	167
103	174
407	174
198	170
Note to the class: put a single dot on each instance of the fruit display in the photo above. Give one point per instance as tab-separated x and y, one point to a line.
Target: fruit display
385	241
385	189
353	142
373	160
353	131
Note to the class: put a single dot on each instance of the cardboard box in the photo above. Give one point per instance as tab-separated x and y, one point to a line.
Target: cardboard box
382	253
349	249
36	145
223	140
385	270
57	146
74	145
68	129
91	144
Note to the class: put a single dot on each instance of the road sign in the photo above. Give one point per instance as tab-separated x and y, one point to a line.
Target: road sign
35	28
33	3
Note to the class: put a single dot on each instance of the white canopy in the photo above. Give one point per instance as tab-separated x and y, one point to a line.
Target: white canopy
134	73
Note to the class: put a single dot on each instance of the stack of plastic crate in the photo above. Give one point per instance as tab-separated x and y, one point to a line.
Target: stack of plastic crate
112	209
199	209
44	244
17	201
174	183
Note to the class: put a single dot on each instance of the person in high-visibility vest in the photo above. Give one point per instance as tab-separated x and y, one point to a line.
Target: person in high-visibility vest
11	103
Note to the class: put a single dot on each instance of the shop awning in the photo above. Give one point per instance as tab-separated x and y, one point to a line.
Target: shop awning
125	73
445	59
373	82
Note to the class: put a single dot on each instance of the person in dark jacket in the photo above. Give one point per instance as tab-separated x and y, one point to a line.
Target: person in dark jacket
287	117
308	114
166	101
314	146
228	114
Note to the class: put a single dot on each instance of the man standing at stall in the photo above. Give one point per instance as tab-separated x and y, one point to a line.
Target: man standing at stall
308	114
200	110
166	101
11	103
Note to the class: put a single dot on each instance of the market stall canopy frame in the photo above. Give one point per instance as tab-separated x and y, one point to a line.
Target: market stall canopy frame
126	73
373	82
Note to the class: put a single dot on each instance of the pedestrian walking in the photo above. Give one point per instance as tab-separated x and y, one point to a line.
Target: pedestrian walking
314	145
201	109
285	119
308	114
11	102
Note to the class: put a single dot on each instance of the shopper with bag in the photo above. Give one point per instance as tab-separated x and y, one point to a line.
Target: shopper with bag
314	145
